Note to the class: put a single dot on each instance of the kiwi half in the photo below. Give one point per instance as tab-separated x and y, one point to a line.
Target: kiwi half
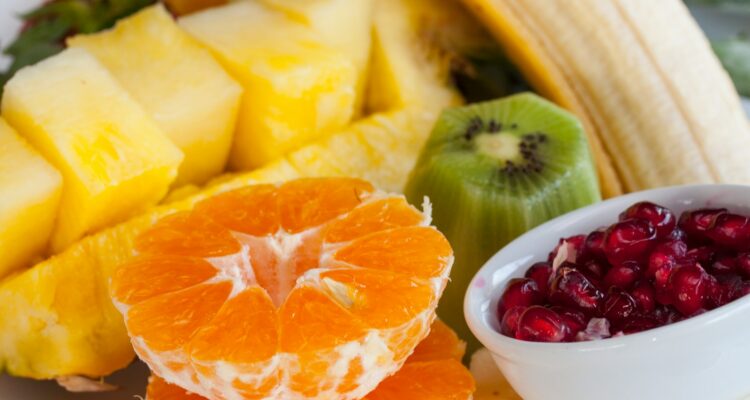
494	170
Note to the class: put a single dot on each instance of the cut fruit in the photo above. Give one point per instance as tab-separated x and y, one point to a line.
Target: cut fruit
506	166
297	88
345	25
114	164
182	7
341	280
28	207
643	79
85	335
194	103
431	373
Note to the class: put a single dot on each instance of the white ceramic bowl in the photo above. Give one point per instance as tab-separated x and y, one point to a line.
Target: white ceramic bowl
704	357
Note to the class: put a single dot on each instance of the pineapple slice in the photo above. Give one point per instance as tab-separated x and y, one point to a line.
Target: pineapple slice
57	319
344	24
297	88
114	159
194	103
31	188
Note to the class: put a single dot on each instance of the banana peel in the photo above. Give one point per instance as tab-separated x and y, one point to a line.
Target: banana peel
657	106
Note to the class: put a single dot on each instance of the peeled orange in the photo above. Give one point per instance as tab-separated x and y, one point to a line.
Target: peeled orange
315	288
432	372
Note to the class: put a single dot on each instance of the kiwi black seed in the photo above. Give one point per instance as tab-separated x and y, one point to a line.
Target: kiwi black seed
492	171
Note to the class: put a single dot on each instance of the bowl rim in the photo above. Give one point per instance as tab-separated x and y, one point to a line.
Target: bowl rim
492	339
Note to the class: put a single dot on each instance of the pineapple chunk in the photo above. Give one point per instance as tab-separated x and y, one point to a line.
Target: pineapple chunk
113	158
57	319
182	7
343	24
194	103
407	69
28	207
297	89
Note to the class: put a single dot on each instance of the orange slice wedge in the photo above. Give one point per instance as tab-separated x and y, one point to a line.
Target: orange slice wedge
315	288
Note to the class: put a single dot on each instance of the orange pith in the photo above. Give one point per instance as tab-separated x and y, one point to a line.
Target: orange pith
432	372
315	288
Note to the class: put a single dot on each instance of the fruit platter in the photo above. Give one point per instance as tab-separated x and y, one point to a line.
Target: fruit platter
374	199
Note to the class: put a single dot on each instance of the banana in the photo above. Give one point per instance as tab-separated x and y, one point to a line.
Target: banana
656	103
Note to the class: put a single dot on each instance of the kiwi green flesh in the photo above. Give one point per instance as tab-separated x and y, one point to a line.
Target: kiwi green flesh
478	204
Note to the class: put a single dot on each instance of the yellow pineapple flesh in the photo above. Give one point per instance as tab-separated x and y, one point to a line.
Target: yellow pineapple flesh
114	160
297	88
56	319
179	83
30	189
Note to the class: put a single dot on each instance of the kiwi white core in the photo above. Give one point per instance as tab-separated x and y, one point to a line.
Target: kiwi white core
500	146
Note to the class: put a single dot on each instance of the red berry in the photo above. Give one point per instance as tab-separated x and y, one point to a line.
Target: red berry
539	324
521	292
540	272
509	321
623	275
619	305
742	264
629	240
645	296
572	289
730	230
661	218
696	222
689	285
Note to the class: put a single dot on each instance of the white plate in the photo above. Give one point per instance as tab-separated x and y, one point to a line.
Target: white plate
132	380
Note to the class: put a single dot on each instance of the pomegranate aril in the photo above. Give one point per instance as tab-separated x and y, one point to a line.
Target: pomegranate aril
688	286
509	321
572	289
742	264
575	320
623	275
677	234
704	255
645	296
696	222
619	305
593	269
639	323
629	240
730	230
722	264
664	256
539	324
540	273
594	245
662	219
521	292
722	290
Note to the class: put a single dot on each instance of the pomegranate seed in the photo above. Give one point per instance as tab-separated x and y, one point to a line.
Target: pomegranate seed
677	234
722	290
575	320
619	305
540	272
723	264
742	264
639	323
660	217
664	255
696	222
743	290
576	241
623	275
730	230
667	315
572	289
704	255
521	292
594	245
593	269
629	240
539	324
689	285
645	296
509	321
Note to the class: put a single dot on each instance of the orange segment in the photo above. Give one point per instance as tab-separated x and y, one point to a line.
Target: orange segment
310	321
252	210
427	380
416	251
227	337
441	344
159	389
166	274
379	298
307	203
189	310
374	217
243	296
187	234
